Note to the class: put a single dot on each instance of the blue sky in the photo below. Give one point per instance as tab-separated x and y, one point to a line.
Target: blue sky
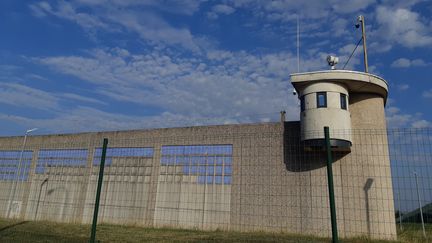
90	65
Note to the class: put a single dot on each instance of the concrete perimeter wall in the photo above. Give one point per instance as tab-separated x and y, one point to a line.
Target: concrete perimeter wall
272	185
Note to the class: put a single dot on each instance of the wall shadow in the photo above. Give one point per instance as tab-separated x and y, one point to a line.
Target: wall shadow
13	225
298	157
366	189
39	197
41	203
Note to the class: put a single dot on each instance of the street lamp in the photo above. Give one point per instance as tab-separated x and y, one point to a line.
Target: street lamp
31	130
17	175
420	204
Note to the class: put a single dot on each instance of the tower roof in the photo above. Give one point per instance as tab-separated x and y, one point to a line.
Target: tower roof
356	82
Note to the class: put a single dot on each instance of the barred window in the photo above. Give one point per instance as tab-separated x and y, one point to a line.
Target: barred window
211	164
121	153
60	158
14	168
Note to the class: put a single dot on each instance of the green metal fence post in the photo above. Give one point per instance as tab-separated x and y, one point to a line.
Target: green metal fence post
330	186
98	192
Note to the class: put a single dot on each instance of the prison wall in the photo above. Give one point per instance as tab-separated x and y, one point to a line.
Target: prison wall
251	177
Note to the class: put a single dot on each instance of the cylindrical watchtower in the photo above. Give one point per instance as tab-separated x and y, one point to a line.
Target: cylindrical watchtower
325	97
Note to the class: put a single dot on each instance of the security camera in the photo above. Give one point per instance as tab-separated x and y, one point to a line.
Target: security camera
359	19
332	61
294	92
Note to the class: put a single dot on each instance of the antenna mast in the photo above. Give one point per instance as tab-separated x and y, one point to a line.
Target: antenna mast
298	44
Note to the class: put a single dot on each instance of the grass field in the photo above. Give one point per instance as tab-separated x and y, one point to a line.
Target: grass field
32	231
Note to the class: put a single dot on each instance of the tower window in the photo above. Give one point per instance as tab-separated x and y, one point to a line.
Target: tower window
302	103
343	101
321	99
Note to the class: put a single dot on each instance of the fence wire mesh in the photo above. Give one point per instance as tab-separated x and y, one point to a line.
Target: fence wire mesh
257	178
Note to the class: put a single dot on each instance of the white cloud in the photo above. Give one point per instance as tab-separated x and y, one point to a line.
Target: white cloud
418	63
40	9
223	9
427	93
182	7
78	120
220	9
106	16
401	62
344	53
153	28
397	24
81	98
219	55
87	119
403	87
397	119
339	27
401	3
68	11
350	6
224	85
24	96
286	10
421	124
402	26
406	63
66	116
391	110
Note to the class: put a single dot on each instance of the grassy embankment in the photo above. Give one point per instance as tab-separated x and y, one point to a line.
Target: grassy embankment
28	231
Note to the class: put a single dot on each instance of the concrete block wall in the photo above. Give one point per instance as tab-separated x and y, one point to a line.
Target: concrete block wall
276	185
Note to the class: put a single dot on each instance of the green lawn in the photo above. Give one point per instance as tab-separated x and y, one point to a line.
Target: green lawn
33	231
412	232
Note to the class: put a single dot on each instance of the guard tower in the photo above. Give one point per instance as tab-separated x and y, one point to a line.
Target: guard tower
325	100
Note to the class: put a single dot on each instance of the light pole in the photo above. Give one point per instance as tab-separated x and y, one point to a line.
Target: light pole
399	211
361	21
18	172
420	205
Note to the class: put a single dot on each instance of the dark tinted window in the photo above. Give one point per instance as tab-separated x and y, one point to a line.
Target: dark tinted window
321	99
343	101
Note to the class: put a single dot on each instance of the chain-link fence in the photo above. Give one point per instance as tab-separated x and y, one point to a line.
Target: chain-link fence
241	177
